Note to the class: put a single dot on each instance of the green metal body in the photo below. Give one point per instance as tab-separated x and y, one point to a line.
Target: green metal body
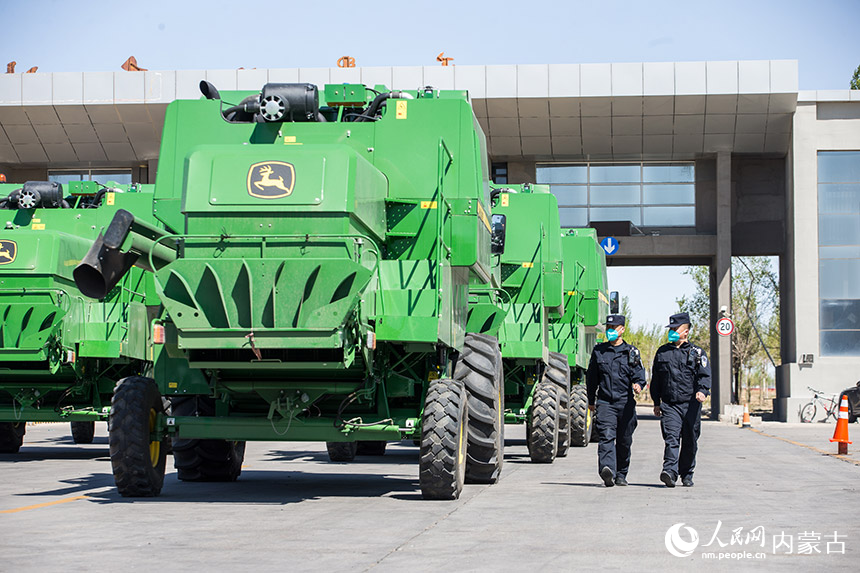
553	297
321	310
60	352
531	273
586	299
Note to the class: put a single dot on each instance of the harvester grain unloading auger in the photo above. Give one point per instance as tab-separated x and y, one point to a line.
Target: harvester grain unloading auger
314	271
60	353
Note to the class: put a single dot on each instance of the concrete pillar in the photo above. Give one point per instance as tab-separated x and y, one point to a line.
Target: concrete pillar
153	166
721	288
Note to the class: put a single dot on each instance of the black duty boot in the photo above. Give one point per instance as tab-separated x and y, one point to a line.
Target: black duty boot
620	480
606	475
687	481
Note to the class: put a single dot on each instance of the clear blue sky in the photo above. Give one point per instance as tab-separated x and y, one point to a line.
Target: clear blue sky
82	35
89	35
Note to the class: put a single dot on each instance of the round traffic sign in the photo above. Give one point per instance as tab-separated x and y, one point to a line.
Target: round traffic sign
725	326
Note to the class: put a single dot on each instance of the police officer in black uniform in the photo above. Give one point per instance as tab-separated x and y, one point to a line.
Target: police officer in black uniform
614	373
680	382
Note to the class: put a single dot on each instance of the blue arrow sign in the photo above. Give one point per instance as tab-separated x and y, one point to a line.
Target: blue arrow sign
610	245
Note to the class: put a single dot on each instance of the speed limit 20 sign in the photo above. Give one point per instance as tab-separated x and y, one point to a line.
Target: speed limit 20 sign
725	326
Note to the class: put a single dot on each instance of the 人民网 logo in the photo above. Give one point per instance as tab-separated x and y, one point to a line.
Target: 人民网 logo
271	179
677	545
8	251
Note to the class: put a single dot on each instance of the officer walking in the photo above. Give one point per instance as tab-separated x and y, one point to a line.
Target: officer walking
614	373
680	382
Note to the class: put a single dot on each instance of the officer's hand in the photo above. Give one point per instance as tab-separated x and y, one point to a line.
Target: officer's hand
700	396
658	411
591	407
637	388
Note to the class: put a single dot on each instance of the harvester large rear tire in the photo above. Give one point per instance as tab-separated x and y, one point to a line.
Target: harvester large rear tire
204	460
444	434
479	368
580	416
341	451
371	448
12	436
543	424
558	372
137	460
83	432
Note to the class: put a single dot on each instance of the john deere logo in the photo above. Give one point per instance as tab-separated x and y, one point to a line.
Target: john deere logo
8	251
271	179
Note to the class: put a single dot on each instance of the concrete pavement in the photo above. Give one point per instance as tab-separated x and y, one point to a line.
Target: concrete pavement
293	509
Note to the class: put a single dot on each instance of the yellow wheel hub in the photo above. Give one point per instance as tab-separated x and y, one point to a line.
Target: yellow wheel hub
154	447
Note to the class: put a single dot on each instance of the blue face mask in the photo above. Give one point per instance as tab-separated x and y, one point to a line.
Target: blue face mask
674	336
611	335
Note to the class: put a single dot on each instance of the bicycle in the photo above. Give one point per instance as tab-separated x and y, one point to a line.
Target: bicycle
828	402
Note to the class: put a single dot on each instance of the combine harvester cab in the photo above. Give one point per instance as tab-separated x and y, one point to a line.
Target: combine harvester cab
314	273
531	271
61	353
575	332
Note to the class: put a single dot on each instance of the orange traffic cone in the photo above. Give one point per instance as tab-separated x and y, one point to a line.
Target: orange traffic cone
746	422
841	433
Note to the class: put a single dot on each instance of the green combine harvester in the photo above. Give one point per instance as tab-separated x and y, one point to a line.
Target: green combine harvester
538	318
61	353
574	334
314	270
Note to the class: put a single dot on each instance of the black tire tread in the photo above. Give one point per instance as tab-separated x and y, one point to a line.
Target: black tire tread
558	373
479	369
129	438
12	436
83	432
580	429
446	410
341	451
543	424
204	460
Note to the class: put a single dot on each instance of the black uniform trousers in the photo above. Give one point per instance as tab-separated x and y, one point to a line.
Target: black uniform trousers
616	422
681	425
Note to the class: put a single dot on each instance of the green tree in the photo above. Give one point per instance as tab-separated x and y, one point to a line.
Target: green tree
755	312
855	80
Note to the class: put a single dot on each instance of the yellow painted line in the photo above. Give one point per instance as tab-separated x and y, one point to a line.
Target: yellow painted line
813	448
41	505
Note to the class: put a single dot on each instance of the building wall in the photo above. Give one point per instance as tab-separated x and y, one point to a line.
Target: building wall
833	128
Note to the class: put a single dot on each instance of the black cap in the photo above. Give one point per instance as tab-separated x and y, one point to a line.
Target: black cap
677	320
615	320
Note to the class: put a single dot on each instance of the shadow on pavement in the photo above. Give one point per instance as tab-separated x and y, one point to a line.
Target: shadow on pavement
42	453
271	487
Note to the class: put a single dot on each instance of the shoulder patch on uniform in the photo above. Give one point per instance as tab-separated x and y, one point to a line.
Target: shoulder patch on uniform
704	361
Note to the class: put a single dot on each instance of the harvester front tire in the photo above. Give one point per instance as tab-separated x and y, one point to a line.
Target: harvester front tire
543	424
479	368
371	448
581	420
83	432
137	461
558	373
12	436
341	451
444	435
204	460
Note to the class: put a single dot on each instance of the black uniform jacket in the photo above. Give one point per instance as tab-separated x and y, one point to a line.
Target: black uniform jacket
679	372
612	372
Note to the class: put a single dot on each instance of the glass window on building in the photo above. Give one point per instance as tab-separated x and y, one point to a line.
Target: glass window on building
839	252
648	195
121	176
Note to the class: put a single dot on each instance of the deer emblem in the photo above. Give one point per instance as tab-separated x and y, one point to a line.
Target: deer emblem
269	181
7	252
